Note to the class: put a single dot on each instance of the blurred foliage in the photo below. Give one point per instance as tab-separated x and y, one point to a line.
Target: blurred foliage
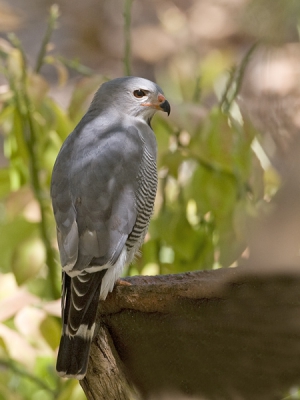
33	127
273	21
210	182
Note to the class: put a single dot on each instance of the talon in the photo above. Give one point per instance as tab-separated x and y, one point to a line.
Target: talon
121	282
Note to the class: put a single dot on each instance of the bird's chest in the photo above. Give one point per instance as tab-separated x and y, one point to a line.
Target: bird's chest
145	197
147	184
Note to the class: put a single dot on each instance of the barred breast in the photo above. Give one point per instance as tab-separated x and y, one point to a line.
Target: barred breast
145	197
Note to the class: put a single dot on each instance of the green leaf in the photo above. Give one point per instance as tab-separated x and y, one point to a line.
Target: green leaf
149	254
63	125
163	132
229	244
45	371
51	331
27	260
2	346
4	182
37	88
71	390
18	173
18	147
6	117
212	191
11	235
191	245
172	161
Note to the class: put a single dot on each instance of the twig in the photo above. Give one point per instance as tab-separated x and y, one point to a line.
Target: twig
127	49
236	76
24	108
215	168
224	103
76	66
54	14
197	90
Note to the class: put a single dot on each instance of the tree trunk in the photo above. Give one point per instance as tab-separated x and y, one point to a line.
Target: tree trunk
105	378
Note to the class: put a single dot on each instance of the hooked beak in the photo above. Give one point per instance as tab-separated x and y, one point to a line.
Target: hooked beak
165	106
161	104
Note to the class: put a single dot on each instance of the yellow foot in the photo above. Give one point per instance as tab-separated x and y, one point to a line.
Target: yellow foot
121	282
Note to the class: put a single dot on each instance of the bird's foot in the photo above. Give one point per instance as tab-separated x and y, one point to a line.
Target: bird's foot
121	282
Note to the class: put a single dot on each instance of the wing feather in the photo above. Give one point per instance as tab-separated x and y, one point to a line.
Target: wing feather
93	192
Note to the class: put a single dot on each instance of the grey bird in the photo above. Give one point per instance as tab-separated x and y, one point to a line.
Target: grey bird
103	189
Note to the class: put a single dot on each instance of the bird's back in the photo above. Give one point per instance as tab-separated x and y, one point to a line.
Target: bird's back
104	183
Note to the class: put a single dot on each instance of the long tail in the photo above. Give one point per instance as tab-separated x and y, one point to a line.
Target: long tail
80	299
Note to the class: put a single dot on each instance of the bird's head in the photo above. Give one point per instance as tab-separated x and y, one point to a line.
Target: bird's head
133	96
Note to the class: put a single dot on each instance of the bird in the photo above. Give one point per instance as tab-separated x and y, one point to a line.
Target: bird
103	188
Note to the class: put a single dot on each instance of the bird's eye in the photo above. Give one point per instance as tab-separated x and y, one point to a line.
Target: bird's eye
140	93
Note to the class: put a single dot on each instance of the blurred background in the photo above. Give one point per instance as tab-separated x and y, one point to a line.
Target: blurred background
228	154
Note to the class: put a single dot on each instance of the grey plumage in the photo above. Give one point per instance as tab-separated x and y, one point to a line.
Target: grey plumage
103	189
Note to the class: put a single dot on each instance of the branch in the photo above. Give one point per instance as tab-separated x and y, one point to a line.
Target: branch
228	333
161	293
127	50
24	108
76	66
235	80
218	169
104	361
54	14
